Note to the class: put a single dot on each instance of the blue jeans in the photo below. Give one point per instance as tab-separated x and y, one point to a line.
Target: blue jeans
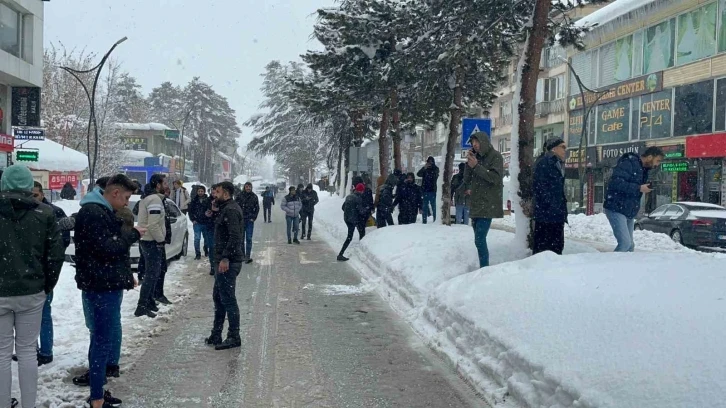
46	329
292	225
201	230
622	229
102	311
481	229
462	214
249	229
429	199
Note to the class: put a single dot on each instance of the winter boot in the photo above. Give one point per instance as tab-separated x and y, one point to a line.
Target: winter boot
163	300
341	258
153	306
197	257
144	311
43	360
296	241
308	237
213	340
248	261
229	343
113	371
109	401
289	241
84	380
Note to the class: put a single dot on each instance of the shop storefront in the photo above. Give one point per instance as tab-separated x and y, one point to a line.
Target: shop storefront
575	191
607	159
675	180
709	153
7	145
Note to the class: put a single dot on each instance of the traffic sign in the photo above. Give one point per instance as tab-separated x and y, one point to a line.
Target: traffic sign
29	134
469	126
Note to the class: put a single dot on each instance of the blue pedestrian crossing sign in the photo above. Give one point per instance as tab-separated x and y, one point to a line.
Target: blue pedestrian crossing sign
469	126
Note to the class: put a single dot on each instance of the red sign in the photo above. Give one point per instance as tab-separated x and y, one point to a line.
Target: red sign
706	146
58	180
7	143
226	166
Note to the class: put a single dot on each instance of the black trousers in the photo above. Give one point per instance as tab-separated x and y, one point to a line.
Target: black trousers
267	211
225	300
351	231
309	217
383	218
159	288
549	236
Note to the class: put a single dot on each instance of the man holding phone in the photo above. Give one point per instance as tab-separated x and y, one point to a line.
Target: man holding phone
625	189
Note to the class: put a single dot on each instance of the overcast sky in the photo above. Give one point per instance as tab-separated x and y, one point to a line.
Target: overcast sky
225	42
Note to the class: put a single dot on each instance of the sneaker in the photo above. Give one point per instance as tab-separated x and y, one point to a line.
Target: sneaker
13	403
213	340
84	380
289	241
15	358
153	306
163	300
198	257
249	261
111	400
341	258
43	360
229	343
113	371
296	241
211	273
142	311
308	237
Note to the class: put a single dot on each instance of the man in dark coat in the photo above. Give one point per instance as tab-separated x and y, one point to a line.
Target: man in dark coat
353	211
68	192
250	205
384	208
625	189
409	201
550	203
429	174
268	200
228	258
309	198
203	225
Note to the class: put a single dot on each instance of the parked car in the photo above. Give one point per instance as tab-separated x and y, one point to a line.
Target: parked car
692	224
179	235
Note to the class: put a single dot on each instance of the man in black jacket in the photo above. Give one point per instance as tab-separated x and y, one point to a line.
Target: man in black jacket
353	211
550	203
250	205
384	209
429	174
409	201
268	200
102	274
309	198
228	258
203	225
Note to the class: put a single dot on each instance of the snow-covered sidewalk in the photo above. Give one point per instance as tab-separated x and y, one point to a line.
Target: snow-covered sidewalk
70	349
585	329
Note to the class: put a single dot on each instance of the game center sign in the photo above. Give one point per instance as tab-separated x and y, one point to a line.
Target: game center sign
643	85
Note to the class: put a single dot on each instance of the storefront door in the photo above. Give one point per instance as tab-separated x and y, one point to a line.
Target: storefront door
712	184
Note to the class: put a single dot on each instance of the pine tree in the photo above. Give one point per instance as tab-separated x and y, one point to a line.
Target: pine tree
130	104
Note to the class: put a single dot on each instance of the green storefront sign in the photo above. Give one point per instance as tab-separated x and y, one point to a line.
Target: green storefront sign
171	134
26	155
675	167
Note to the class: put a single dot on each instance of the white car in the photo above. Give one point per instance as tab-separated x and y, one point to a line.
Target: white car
179	235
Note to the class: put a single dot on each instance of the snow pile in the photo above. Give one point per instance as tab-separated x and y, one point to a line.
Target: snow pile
53	156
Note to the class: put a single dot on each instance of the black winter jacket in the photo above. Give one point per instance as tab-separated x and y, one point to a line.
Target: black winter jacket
309	200
228	233
429	177
409	199
550	203
353	210
59	215
250	205
102	250
385	202
197	207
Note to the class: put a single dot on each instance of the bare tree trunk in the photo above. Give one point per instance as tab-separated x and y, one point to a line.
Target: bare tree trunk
450	150
339	176
528	95
396	136
383	144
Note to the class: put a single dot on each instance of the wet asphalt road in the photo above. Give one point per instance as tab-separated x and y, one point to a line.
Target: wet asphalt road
302	346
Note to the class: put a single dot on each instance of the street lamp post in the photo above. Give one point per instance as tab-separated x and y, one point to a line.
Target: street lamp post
92	113
184	125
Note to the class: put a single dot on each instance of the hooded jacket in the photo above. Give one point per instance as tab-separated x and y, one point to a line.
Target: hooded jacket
385	195
102	247
409	199
250	205
623	194
309	198
198	206
31	250
485	180
353	210
68	192
429	176
550	203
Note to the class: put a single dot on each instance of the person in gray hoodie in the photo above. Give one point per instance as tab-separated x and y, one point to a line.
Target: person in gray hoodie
152	216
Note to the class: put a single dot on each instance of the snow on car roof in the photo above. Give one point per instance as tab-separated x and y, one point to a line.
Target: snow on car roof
699	204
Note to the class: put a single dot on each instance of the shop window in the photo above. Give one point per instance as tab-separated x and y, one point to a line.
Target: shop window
613	124
655	115
10	30
617	61
693	109
696	34
720	118
658	48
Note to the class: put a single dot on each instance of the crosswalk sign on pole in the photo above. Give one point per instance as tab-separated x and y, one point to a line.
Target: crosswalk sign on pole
469	126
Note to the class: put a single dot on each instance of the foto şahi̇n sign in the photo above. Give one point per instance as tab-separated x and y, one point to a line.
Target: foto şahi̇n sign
623	90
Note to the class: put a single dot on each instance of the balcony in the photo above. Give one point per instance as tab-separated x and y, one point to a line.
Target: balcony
552	57
504	120
545	108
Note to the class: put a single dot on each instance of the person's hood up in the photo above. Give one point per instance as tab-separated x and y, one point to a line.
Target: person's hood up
431	160
309	186
17	178
485	145
392	180
13	204
96	197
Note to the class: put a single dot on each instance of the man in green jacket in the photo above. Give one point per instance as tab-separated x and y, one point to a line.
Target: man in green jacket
31	257
483	183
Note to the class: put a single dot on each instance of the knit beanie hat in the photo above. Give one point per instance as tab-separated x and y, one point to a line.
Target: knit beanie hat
360	187
17	177
552	143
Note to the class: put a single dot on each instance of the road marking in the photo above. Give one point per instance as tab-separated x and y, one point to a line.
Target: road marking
304	259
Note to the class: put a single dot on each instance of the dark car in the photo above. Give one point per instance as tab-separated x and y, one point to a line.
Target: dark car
692	224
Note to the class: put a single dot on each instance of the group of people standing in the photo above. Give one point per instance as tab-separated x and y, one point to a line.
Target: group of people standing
299	207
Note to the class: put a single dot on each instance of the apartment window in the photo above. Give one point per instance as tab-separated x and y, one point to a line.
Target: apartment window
503	145
554	88
696	34
10	30
505	109
693	109
638	53
720	119
659	46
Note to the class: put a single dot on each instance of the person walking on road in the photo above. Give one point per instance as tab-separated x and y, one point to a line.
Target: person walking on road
353	211
102	274
429	174
250	205
152	216
268	200
181	196
458	194
228	258
625	189
384	206
68	192
409	201
31	257
309	198
203	225
550	203
292	206
483	180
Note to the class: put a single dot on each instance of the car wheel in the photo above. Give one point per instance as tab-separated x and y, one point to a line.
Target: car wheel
185	246
638	227
676	236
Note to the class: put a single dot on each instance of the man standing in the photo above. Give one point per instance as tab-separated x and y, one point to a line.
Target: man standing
181	196
152	217
45	352
353	210
430	175
103	273
627	185
250	205
309	198
483	180
268	200
203	225
384	207
31	257
409	201
550	203
458	194
292	206
228	257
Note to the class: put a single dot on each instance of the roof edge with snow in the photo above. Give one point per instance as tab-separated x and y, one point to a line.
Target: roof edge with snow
624	14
